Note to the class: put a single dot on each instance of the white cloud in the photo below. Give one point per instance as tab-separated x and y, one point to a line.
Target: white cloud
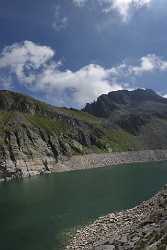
33	66
123	7
24	58
86	84
149	63
146	64
19	54
59	21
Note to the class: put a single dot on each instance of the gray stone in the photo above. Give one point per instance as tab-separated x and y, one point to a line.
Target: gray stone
105	247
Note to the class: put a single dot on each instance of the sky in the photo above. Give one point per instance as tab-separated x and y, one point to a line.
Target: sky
68	52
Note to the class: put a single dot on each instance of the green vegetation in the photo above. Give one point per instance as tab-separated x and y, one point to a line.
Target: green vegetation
80	115
119	140
4	117
127	127
112	140
48	124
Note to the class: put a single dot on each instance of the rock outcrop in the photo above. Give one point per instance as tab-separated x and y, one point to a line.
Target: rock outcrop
141	228
141	113
34	136
124	100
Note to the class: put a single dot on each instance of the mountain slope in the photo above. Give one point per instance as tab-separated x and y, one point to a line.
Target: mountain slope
32	130
145	101
34	135
141	113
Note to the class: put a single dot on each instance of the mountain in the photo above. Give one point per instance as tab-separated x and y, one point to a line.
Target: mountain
35	135
124	100
141	113
33	131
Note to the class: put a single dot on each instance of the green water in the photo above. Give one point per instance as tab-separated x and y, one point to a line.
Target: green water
36	213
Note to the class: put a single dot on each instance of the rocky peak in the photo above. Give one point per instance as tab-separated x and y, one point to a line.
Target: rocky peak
121	99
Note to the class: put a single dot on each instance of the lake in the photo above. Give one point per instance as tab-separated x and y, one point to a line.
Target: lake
38	213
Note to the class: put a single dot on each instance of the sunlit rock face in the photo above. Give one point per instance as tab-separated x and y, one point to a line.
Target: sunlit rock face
34	136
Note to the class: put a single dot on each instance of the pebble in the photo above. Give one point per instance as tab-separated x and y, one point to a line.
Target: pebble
141	228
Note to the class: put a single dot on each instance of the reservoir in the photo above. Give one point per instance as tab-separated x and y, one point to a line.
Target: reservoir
40	212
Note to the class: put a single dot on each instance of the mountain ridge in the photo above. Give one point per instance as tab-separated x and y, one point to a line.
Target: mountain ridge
37	135
112	100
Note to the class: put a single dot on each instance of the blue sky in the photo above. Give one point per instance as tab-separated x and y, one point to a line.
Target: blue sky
67	52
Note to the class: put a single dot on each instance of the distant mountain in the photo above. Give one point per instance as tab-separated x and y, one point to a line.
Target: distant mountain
142	113
35	135
132	101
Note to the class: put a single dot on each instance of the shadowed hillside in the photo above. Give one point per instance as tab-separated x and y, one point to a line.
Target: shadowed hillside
141	113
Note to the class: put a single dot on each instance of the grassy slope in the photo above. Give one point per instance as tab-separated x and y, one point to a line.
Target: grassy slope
80	115
48	124
113	140
153	135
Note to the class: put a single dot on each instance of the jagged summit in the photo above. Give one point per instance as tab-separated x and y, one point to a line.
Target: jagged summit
120	99
13	101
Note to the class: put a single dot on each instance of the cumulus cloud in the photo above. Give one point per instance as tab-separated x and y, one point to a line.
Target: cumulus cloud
82	86
149	63
34	67
146	64
24	59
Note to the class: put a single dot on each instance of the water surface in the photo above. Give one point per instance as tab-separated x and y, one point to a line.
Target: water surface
35	214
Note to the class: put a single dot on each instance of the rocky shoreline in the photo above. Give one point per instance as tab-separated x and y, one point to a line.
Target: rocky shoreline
141	228
27	168
88	161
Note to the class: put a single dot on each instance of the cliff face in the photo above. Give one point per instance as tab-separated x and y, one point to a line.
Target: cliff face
141	113
34	135
146	101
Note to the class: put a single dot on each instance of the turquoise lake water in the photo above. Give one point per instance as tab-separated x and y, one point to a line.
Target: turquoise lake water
38	213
